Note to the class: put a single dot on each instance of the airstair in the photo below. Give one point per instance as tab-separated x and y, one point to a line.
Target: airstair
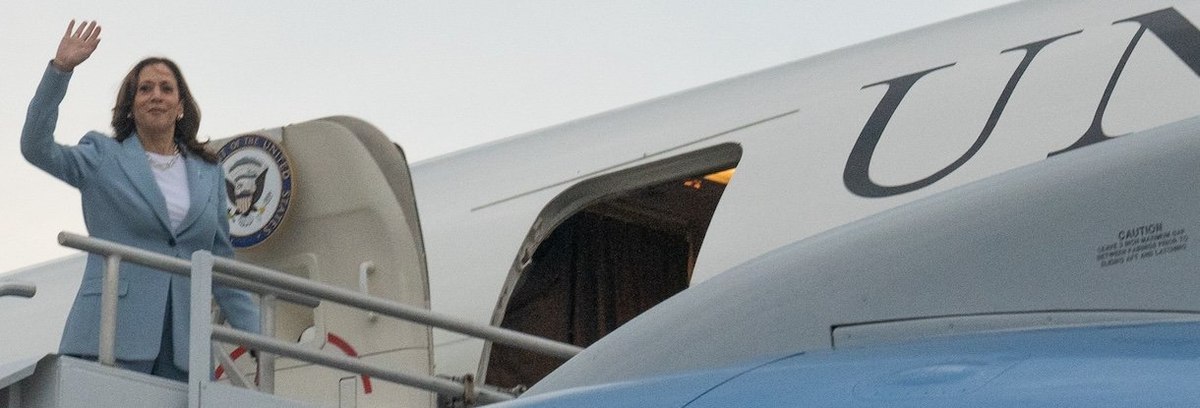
56	381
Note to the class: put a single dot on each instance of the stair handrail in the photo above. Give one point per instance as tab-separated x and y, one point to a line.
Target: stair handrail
205	269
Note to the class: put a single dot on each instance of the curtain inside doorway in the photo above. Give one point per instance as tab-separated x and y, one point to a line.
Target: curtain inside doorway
591	276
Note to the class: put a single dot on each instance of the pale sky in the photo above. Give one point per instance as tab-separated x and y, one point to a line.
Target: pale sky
435	76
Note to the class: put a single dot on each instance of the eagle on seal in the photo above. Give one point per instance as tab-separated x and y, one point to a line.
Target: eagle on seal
246	187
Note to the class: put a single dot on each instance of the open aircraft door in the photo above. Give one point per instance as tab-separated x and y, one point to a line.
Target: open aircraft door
331	200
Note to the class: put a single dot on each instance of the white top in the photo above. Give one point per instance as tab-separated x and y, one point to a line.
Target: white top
170	173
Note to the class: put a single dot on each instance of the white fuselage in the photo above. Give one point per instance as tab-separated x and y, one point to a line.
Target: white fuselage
1021	81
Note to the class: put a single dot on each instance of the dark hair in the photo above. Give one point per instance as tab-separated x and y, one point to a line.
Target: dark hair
185	129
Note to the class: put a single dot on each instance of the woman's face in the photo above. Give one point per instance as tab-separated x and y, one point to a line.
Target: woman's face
156	104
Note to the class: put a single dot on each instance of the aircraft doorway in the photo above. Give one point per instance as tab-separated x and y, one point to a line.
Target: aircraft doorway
605	251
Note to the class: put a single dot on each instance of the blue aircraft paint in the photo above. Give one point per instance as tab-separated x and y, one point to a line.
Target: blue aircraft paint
1143	365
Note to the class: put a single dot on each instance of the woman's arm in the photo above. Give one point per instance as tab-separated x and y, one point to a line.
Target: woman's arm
37	136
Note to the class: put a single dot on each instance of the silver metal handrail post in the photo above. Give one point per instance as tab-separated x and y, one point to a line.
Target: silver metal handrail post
200	331
108	310
266	361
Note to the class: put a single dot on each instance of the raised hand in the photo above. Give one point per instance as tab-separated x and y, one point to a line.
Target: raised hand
77	46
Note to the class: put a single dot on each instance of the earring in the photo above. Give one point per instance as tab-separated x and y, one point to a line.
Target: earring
129	115
180	117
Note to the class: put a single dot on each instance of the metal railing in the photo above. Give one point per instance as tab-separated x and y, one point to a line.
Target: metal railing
205	269
115	253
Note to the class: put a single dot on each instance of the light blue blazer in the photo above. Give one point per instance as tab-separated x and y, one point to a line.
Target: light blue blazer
122	203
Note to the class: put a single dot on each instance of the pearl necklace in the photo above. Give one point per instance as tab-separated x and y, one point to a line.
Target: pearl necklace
167	165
